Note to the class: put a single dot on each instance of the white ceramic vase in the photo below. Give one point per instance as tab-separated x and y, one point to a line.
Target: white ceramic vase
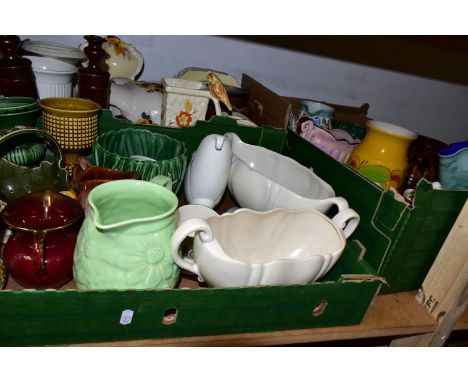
208	172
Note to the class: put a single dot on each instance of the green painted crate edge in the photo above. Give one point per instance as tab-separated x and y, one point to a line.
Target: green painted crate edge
35	318
401	242
32	318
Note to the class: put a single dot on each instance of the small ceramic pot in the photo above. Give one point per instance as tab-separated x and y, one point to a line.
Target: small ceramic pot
54	78
382	156
453	166
208	172
73	122
248	248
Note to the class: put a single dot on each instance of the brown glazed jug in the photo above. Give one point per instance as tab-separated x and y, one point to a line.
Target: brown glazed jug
16	74
93	82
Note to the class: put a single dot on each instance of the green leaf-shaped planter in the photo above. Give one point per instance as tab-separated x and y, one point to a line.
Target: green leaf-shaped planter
143	151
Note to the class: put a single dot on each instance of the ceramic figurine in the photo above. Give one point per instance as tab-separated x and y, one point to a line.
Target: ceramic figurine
382	156
243	248
218	90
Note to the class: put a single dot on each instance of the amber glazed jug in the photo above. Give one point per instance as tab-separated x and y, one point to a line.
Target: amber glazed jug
45	225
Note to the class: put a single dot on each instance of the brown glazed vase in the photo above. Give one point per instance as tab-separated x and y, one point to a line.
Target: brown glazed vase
93	82
16	74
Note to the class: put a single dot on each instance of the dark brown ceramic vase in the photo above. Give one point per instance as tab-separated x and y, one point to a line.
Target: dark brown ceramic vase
16	74
93	82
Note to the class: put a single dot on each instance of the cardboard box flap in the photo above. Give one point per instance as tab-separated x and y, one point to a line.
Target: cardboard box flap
265	106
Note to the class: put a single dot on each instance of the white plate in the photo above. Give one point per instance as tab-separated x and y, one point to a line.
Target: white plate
124	59
54	50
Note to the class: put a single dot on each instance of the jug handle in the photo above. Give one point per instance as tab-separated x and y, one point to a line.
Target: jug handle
189	211
185	230
347	220
38	252
339	201
162	180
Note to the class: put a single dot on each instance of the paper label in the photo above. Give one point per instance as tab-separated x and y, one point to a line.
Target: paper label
126	317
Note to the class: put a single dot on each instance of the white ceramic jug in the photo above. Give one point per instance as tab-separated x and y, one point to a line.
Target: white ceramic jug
138	101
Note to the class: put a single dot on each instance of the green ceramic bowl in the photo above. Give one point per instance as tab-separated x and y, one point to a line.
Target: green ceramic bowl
27	118
13	105
143	151
26	154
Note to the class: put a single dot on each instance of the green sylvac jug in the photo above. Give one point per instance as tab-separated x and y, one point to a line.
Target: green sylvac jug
125	239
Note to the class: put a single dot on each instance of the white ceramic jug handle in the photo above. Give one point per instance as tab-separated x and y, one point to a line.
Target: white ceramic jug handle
190	211
183	231
162	180
347	220
340	202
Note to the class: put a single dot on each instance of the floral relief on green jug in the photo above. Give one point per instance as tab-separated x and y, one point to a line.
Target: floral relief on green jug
124	242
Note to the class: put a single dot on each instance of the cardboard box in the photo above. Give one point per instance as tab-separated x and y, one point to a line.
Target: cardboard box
266	108
401	241
52	317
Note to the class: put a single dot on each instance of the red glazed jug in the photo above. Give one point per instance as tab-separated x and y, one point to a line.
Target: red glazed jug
45	225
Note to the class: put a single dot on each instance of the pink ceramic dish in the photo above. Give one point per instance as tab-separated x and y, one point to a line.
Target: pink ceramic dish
337	143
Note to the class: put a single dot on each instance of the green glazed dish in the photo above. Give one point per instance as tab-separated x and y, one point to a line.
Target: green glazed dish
28	117
26	154
13	105
143	151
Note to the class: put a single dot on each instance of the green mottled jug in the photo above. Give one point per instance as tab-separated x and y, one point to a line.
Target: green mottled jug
125	239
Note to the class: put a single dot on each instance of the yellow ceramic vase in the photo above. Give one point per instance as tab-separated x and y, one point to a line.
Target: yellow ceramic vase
382	156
